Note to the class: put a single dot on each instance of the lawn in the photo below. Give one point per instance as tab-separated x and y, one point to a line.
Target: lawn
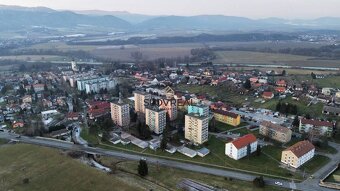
316	163
3	141
225	127
50	169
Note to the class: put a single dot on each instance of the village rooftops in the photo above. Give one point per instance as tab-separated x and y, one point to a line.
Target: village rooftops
301	148
141	92
317	123
275	127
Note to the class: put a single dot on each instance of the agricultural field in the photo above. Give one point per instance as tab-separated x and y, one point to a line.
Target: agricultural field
253	58
34	58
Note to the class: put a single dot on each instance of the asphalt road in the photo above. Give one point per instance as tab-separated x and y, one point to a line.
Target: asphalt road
309	185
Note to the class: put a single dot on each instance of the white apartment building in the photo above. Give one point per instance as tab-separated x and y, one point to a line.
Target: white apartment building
241	147
95	87
155	118
82	81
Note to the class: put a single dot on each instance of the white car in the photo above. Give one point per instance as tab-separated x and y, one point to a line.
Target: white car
278	183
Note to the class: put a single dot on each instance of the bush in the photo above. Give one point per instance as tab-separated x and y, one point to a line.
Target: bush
259	182
26	180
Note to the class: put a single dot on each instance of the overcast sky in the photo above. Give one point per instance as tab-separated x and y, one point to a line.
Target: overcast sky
245	8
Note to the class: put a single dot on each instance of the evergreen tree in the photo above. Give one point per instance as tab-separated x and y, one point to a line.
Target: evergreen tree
296	121
248	150
164	143
247	84
278	106
143	168
258	150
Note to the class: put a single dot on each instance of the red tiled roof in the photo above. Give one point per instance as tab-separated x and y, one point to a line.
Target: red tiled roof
72	115
280	89
267	94
317	123
301	148
227	113
244	141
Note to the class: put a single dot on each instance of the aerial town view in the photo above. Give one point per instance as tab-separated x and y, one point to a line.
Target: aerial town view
187	95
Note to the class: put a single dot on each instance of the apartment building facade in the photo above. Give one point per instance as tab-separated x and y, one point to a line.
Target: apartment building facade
227	117
275	132
120	114
196	128
155	118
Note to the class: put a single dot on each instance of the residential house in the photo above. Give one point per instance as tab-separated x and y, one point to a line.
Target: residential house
17	124
298	154
268	95
331	110
241	147
275	132
281	83
27	99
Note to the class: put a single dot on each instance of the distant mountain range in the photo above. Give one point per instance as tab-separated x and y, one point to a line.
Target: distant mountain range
19	18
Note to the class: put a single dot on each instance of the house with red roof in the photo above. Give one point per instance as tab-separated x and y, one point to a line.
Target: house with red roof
280	89
281	83
241	147
268	95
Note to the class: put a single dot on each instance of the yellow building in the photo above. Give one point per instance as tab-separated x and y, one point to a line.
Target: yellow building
298	154
227	117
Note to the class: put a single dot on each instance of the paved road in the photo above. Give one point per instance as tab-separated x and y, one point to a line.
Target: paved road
309	185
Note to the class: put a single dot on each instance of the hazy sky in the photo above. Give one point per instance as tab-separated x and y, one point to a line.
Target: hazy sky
246	8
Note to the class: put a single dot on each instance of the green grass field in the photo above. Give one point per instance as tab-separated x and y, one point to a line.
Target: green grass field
49	169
